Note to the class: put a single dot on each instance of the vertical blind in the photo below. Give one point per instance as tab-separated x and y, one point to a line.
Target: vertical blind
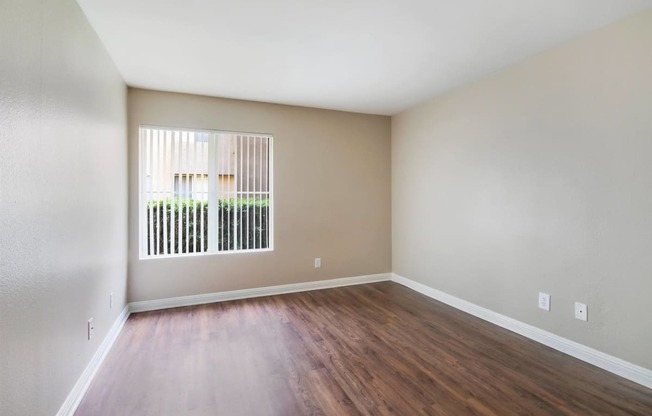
204	191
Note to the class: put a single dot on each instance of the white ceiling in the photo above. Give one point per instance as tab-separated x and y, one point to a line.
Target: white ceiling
370	56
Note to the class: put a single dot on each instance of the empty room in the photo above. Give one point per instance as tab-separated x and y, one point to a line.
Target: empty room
280	208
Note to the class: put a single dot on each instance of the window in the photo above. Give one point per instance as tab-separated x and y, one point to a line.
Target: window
204	192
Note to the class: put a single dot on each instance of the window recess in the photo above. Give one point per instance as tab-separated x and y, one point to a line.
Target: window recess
204	191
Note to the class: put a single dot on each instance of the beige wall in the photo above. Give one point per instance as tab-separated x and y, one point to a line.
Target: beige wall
332	196
63	244
539	178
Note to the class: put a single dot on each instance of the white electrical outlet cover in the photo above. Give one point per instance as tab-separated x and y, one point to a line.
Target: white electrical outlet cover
581	311
91	327
544	301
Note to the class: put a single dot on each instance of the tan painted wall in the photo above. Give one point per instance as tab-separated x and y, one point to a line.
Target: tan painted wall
332	196
63	244
539	178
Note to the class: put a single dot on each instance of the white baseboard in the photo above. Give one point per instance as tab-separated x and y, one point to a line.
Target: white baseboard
77	393
597	358
150	305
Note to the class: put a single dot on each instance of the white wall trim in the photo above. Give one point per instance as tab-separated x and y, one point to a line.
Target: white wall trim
151	305
71	403
597	358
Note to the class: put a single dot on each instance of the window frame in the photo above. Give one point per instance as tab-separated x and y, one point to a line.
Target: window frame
142	166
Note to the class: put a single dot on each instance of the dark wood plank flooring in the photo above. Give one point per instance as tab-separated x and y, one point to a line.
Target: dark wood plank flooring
374	349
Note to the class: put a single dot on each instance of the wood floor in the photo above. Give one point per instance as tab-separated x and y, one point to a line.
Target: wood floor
374	349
